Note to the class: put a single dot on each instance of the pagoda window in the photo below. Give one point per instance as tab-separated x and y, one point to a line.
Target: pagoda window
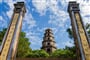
48	43
48	49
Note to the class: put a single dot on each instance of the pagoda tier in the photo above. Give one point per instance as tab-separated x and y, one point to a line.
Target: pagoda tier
48	43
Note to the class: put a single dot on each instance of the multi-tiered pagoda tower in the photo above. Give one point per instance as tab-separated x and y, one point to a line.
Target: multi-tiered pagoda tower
48	43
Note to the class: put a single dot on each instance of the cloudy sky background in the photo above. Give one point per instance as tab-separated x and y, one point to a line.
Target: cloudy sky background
43	14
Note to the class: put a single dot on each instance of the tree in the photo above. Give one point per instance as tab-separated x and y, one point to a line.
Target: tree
69	30
38	53
72	51
63	53
88	29
2	35
23	45
87	26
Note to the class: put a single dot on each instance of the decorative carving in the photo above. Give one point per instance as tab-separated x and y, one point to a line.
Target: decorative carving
80	33
9	47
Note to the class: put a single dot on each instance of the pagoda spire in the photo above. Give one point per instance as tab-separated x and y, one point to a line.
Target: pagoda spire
48	43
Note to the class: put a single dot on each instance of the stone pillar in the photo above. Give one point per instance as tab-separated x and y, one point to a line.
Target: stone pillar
79	32
9	46
48	43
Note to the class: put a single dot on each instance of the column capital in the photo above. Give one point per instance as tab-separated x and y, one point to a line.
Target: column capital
19	7
73	6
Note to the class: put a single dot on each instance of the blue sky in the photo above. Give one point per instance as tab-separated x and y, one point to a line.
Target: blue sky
43	14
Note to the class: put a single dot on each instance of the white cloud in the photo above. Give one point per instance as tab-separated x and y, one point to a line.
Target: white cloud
1	18
59	16
58	20
67	43
43	5
3	22
10	13
28	24
86	20
29	20
0	0
35	39
40	5
65	2
84	8
54	30
85	11
11	5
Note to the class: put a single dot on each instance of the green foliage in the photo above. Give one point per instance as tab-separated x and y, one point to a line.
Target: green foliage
69	30
72	49
87	26
57	53
70	33
88	29
63	53
2	35
38	53
24	46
